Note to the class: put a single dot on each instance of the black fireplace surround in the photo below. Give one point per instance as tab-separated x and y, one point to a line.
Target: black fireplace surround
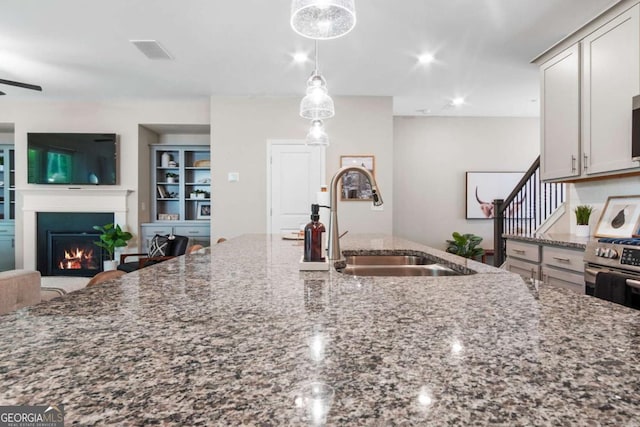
71	232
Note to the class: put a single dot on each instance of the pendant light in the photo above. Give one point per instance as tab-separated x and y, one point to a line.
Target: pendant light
323	19
317	104
317	134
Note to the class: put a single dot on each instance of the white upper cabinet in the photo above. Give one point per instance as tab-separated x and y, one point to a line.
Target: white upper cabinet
611	77
560	115
586	99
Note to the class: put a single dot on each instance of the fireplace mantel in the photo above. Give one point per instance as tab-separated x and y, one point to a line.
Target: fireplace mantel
53	199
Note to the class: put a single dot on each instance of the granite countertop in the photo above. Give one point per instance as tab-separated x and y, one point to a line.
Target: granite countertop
237	335
555	239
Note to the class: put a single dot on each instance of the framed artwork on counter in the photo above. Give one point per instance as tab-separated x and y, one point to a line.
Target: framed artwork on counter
620	217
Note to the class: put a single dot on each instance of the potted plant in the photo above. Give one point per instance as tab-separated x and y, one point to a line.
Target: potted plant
199	194
171	177
465	245
112	237
583	212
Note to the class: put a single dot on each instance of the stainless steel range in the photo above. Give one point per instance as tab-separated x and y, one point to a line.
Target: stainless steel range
614	255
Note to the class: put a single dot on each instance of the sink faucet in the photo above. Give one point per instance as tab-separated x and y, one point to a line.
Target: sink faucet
333	245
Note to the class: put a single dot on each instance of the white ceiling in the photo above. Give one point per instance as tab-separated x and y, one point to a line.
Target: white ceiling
483	48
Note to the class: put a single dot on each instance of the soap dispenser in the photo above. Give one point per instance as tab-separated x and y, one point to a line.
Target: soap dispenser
314	237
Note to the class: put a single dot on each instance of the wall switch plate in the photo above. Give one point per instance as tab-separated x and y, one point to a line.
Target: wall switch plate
234	176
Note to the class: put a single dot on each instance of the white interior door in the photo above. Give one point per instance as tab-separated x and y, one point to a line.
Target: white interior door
294	177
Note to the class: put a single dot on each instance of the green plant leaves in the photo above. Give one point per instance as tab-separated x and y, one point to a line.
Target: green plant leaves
583	212
112	237
465	245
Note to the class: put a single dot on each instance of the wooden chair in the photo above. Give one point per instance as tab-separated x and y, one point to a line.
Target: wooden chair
194	248
104	276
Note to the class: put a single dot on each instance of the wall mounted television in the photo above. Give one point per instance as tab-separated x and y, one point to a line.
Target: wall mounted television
72	158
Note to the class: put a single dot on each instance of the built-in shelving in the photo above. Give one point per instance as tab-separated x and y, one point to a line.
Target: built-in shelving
7	208
181	205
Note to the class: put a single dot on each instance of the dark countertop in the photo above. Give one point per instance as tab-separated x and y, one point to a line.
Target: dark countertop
237	335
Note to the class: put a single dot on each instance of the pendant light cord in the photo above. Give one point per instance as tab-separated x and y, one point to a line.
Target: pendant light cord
316	43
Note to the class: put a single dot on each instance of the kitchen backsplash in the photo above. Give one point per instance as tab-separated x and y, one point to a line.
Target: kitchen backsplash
595	193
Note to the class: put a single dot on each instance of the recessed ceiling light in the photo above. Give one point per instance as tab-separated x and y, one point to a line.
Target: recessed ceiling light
426	58
456	102
300	57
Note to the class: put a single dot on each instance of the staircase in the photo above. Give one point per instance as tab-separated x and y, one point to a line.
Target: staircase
528	206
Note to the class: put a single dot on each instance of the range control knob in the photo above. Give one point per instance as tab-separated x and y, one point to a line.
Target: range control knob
610	253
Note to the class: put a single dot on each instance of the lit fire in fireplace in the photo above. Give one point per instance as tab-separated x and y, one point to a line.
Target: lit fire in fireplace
76	259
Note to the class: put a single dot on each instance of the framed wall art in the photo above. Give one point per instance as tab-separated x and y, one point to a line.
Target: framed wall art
355	186
620	217
483	187
204	210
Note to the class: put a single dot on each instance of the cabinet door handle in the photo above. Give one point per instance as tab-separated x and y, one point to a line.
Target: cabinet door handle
557	258
573	163
3	231
13	243
585	158
519	251
545	279
533	274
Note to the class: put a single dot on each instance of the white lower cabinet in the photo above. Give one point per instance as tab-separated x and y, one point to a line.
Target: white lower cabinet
527	270
554	265
563	279
563	267
523	259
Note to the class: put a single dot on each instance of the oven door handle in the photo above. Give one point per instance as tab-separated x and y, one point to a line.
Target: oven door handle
633	283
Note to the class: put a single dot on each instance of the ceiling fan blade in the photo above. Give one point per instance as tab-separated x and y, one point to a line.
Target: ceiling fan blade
19	84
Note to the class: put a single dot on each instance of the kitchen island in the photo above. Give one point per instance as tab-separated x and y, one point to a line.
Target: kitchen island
237	335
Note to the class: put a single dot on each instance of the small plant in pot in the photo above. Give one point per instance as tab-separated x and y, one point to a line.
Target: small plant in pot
583	212
172	177
112	237
465	245
199	194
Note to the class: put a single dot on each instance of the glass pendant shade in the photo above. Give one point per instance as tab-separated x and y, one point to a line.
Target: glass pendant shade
317	104
323	19
317	134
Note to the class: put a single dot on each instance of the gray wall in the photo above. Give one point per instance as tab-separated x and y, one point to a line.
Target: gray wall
240	128
432	155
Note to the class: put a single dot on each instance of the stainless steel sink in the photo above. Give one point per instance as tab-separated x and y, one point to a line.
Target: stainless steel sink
386	260
394	265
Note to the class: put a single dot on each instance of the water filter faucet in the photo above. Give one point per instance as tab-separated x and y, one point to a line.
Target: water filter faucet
333	244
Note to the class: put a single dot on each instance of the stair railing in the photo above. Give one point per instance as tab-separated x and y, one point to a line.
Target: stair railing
530	203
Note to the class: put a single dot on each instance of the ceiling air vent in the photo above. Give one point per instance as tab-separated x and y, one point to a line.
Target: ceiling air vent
151	49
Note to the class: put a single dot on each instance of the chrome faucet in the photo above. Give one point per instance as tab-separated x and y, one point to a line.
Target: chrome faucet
333	245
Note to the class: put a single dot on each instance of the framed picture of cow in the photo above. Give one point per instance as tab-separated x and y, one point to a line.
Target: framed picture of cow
484	187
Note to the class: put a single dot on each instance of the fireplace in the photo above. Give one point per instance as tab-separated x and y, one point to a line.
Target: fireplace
73	254
65	243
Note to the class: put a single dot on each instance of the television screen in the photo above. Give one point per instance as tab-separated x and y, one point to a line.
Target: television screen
72	158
